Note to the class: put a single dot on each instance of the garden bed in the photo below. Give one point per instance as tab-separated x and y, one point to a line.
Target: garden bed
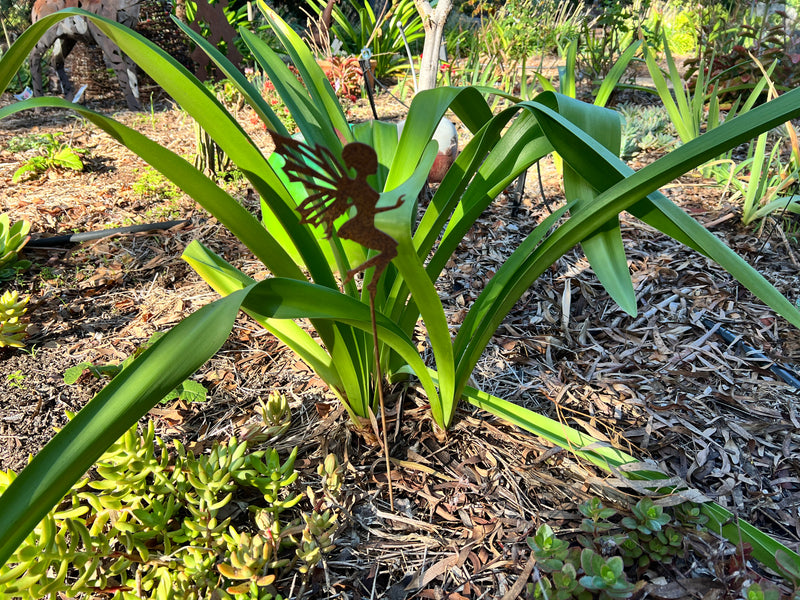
662	386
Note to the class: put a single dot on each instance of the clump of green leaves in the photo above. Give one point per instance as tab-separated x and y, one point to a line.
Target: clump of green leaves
677	22
16	379
275	419
54	154
316	536
157	522
188	390
306	264
12	239
605	575
611	552
649	538
645	128
12	328
252	563
153	185
331	473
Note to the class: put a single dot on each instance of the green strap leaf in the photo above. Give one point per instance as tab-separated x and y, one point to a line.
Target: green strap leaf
183	174
603	247
157	371
426	111
631	192
319	88
247	89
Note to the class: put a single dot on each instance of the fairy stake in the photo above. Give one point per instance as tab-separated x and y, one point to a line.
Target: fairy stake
333	191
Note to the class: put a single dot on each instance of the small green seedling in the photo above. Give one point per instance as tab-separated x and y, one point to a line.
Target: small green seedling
613	553
55	155
15	379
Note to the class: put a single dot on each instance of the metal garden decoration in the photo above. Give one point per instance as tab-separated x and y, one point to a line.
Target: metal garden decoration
332	193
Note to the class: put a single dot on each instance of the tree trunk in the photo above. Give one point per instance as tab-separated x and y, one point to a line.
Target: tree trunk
433	21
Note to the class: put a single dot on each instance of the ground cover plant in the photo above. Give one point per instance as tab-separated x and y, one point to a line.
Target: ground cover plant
578	138
145	496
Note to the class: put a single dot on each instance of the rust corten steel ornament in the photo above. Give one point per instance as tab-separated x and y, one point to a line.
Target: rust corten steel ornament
332	191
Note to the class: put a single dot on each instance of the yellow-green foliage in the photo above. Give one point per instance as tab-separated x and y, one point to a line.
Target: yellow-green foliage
275	417
12	239
53	155
155	523
12	329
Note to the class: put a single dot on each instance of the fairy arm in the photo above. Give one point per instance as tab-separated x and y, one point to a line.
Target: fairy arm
397	204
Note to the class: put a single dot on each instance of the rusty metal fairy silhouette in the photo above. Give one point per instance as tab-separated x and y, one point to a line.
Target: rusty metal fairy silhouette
332	192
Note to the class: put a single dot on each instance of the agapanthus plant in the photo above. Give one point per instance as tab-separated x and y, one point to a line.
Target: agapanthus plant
307	264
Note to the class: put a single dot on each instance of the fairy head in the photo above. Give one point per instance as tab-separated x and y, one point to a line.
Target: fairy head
360	157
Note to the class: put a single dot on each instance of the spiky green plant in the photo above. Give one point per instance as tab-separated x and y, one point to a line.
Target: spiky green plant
305	263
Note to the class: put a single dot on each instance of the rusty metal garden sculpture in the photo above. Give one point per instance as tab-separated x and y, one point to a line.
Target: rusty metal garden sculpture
212	18
332	193
63	37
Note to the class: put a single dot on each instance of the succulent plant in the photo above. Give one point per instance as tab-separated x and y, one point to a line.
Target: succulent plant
689	515
331	472
647	517
12	239
645	128
252	561
549	551
12	329
610	550
154	523
605	575
317	538
276	417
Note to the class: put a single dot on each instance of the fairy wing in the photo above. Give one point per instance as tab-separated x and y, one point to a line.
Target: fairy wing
323	177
